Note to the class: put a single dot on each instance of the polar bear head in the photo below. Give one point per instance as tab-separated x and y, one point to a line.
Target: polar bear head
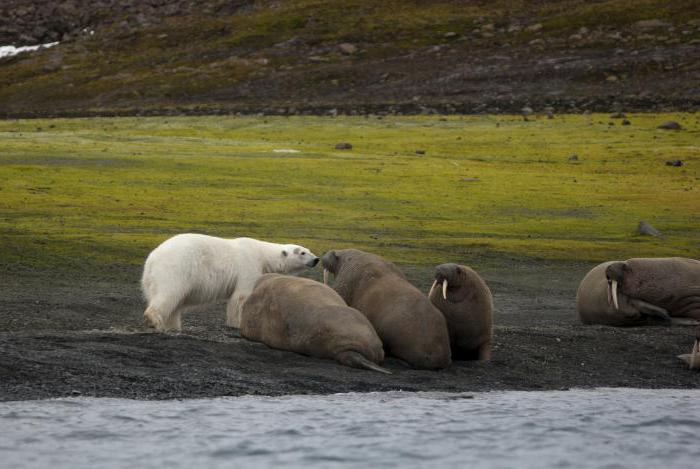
297	258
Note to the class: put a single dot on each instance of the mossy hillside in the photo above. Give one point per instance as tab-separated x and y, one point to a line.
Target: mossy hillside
108	190
183	60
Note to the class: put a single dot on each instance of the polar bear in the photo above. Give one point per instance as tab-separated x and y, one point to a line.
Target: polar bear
193	269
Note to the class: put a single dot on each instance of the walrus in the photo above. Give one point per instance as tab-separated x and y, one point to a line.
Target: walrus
307	317
466	301
692	359
595	304
410	327
669	283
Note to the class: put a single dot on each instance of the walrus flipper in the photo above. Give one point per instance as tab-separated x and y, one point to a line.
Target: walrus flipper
356	360
692	359
650	311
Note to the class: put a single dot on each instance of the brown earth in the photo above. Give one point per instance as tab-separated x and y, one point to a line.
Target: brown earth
80	333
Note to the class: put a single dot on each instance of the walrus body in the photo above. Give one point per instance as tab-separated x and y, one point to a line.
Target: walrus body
670	283
410	327
595	305
307	317
466	301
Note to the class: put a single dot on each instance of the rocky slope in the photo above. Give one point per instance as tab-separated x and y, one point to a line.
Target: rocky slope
157	56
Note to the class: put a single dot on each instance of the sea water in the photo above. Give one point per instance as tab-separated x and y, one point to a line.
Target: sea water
615	428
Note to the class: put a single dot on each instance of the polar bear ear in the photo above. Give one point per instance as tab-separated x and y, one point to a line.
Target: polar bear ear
284	253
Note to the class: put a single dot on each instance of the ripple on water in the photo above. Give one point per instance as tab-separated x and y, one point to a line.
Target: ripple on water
593	428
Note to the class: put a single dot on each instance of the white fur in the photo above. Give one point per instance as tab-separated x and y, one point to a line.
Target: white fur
193	269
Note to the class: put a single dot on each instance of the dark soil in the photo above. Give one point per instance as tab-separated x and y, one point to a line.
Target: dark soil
74	334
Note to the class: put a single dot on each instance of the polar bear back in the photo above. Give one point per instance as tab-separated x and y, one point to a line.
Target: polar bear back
197	268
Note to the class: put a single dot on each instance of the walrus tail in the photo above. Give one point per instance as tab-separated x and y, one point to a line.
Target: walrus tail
356	360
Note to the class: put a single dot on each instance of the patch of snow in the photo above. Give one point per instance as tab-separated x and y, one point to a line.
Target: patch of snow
9	51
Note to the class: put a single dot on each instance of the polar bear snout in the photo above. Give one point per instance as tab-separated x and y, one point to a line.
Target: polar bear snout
313	262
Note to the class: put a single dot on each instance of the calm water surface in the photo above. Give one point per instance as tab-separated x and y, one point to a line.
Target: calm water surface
591	428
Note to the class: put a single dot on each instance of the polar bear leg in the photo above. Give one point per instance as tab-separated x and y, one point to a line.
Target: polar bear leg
162	314
244	287
233	310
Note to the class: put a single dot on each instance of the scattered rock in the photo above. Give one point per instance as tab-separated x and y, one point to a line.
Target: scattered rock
420	152
470	179
617	115
626	122
347	48
674	163
533	28
646	25
343	146
537	42
526	111
450	35
670	125
646	229
573	157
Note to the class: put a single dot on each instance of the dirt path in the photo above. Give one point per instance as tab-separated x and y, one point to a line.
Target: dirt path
81	334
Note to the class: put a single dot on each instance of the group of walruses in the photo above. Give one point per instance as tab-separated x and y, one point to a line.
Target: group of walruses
373	310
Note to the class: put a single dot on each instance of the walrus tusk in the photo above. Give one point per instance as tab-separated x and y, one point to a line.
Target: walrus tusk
444	289
614	295
694	354
432	288
325	276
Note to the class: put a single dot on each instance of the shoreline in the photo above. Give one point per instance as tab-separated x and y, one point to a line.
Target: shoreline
72	341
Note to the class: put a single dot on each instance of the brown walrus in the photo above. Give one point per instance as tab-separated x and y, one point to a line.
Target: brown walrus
410	327
595	304
693	358
307	317
670	283
466	301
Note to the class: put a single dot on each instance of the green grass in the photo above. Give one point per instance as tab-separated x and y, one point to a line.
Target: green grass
108	190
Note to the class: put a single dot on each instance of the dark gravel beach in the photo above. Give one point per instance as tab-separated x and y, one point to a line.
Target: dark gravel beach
69	334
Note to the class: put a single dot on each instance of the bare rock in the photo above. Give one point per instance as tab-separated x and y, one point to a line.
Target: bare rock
646	25
347	48
646	229
573	157
617	115
626	122
670	125
674	163
343	146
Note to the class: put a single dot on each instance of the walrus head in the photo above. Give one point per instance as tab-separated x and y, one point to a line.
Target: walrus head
330	262
450	278
668	283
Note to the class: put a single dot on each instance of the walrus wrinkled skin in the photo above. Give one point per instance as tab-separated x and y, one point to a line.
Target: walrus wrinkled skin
307	317
410	327
595	305
670	283
466	301
692	359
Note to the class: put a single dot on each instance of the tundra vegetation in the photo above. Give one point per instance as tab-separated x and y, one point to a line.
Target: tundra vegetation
97	192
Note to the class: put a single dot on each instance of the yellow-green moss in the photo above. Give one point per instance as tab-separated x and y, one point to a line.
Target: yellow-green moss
109	190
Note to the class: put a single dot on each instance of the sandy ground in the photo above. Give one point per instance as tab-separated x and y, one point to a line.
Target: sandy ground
68	334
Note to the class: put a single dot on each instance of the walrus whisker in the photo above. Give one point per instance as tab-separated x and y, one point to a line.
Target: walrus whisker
444	289
432	288
614	295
